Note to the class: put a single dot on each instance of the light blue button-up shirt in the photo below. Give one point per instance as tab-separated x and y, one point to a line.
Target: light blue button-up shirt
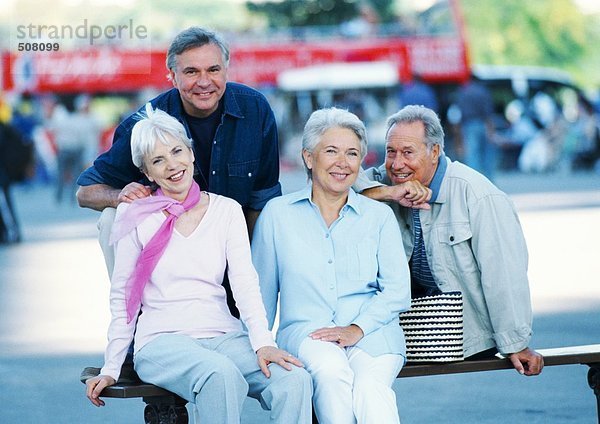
354	272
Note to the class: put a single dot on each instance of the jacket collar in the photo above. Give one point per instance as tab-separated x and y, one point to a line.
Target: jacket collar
438	178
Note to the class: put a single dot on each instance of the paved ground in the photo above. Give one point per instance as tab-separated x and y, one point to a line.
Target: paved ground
54	292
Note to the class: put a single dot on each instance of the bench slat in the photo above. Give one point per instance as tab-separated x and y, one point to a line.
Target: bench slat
583	354
587	354
134	390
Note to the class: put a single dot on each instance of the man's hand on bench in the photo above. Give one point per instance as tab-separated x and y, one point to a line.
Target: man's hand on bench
527	361
94	387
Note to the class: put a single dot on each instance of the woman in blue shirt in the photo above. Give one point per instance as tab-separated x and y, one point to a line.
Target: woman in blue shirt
337	262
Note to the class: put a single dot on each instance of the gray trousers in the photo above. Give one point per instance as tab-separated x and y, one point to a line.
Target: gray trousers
216	375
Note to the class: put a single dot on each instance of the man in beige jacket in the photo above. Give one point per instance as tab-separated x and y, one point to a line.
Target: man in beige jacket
469	239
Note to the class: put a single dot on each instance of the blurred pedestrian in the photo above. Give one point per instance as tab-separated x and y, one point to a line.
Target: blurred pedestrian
469	240
418	92
16	163
474	101
585	134
43	140
70	135
543	152
519	130
365	24
24	119
331	257
91	127
170	299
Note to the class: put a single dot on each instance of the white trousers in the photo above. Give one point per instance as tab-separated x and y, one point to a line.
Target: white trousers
105	223
349	385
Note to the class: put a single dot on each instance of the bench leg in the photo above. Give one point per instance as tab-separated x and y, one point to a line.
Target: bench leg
165	410
594	382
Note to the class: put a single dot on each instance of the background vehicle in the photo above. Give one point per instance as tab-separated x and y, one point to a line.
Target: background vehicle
556	106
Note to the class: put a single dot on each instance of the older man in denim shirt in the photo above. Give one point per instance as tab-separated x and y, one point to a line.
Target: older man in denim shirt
233	131
232	127
471	238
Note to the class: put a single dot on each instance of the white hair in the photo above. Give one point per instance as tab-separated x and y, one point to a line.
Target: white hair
153	125
324	119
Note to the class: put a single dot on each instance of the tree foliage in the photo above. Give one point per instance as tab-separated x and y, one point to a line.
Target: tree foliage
317	12
535	32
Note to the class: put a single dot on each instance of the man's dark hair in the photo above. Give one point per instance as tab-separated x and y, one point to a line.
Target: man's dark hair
195	37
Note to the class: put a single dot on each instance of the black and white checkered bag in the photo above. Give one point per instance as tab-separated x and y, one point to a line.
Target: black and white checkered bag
433	328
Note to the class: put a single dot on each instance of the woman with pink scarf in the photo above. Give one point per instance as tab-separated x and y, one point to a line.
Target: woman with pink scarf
172	250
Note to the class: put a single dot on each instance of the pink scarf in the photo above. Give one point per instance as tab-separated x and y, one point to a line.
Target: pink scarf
149	256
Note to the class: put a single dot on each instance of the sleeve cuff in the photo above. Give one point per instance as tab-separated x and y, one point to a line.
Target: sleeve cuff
513	341
111	372
366	325
261	340
259	198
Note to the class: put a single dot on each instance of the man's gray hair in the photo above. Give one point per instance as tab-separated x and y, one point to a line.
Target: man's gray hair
195	37
434	133
324	119
154	125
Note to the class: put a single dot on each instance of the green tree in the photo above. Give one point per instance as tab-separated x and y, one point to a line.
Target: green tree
536	32
291	13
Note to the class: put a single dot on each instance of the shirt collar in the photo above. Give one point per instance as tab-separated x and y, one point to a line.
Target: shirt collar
438	177
305	194
230	104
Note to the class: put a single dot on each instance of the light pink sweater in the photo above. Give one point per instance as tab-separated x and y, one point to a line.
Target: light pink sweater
184	294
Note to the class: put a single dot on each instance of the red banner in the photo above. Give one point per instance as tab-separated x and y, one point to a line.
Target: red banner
94	70
102	70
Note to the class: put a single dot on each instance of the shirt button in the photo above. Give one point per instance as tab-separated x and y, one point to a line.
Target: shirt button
329	261
327	235
215	142
214	172
451	238
331	287
249	174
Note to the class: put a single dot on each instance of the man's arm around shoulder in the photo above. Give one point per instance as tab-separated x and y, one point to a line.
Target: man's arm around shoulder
100	196
97	196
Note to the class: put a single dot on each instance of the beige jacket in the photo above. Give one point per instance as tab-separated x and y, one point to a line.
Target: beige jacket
474	244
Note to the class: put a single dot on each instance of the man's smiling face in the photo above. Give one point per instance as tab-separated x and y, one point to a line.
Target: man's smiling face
407	156
200	76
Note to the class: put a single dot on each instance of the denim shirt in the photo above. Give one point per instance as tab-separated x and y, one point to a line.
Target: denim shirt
474	244
244	162
352	272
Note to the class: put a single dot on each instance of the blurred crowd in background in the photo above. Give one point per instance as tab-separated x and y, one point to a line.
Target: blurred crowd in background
517	120
48	140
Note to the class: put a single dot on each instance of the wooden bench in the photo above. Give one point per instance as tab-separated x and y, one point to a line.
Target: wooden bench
164	407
